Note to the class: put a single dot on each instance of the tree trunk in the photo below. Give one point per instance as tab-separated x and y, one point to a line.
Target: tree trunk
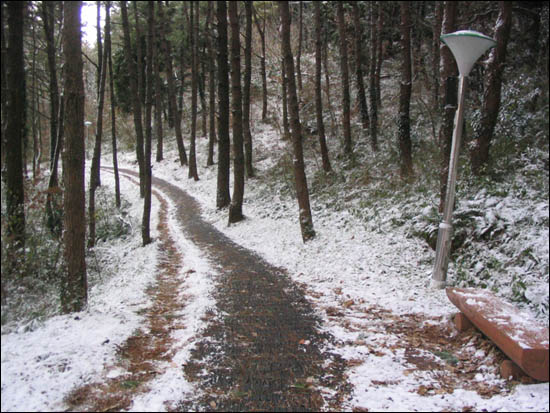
348	149
449	99
146	221
15	127
299	52
158	89
211	91
193	33
306	221
261	32
284	87
379	53
236	207
483	132
172	91
48	19
404	121
74	293
136	101
108	53
435	53
372	80
361	97
96	158
222	191
318	97
247	135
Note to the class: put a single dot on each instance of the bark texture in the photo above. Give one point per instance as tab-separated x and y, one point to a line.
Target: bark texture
300	180
483	131
74	291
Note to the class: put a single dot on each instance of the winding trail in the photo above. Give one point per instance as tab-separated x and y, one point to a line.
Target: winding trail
262	348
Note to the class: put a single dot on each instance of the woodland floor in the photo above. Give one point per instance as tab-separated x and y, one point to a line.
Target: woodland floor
263	348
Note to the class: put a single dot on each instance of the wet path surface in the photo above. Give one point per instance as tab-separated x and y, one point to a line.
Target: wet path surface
262	349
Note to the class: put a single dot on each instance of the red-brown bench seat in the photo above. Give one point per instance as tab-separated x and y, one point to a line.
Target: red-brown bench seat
516	333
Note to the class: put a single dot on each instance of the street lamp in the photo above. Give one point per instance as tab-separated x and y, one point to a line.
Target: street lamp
87	123
466	46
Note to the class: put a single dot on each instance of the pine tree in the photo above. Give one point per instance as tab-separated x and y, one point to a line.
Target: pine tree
300	180
74	293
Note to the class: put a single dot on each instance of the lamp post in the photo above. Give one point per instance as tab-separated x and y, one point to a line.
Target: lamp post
466	46
87	123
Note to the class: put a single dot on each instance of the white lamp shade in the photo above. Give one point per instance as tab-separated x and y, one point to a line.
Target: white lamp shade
467	46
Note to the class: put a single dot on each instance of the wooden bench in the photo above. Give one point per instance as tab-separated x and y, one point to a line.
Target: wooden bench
517	334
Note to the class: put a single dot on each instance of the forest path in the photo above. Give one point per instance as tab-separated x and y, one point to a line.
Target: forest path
142	355
262	348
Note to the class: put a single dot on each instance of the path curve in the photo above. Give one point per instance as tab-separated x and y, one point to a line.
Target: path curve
262	349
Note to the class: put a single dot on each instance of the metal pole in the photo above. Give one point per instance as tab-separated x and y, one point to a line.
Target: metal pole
443	247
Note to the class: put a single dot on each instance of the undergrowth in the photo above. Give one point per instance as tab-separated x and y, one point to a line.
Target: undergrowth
31	286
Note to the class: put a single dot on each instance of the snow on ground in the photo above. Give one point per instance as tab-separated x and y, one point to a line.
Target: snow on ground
347	262
344	263
41	366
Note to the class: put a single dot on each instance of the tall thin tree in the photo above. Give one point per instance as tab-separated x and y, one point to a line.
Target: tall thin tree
223	198
348	148
74	294
193	31
372	77
108	52
404	121
96	158
134	90
261	32
167	48
318	97
483	132
299	51
149	81
15	126
53	212
358	41
159	135
211	88
236	207
247	135
449	99
300	180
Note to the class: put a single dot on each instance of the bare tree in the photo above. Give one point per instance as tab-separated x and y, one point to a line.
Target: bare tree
300	180
15	126
361	97
211	88
483	132
74	294
404	121
149	80
167	48
108	53
158	88
193	33
372	78
449	99
318	97
438	16
96	158
134	90
348	149
223	197
299	51
53	212
261	32
235	209
247	135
